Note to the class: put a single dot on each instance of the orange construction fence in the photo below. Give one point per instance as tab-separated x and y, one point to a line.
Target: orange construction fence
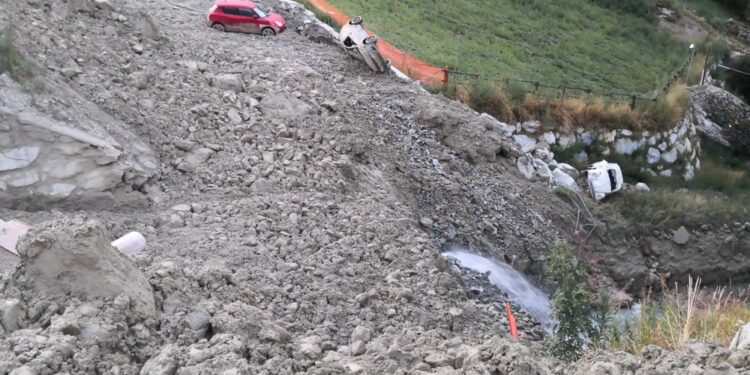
412	66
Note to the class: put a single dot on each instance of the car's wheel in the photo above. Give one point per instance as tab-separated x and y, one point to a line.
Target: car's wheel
268	32
372	39
356	20
218	27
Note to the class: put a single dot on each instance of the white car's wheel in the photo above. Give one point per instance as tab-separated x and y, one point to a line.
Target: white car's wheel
356	20
218	27
372	39
268	32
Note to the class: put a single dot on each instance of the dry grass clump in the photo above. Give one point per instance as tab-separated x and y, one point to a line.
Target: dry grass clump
595	113
693	314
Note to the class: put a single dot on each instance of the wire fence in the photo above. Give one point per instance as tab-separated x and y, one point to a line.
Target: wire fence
445	78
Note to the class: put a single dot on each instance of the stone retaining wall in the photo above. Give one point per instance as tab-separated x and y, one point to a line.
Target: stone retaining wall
666	153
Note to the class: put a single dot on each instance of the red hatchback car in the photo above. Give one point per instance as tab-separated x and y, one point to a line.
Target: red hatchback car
244	17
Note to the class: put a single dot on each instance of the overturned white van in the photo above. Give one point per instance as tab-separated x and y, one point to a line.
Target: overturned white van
604	178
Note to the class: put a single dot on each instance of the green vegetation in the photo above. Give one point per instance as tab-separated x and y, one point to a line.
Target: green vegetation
719	193
579	42
11	61
683	316
581	316
322	16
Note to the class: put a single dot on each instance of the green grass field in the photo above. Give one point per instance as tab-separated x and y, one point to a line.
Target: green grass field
567	41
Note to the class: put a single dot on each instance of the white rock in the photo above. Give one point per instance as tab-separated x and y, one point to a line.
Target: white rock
741	340
587	138
525	167
234	116
17	158
626	132
525	142
560	178
669	156
666	173
542	169
681	236
566	140
608	137
626	146
568	169
641	187
653	156
361	333
531	126
550	138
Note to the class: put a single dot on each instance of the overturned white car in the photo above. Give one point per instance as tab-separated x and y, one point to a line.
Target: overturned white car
604	179
359	44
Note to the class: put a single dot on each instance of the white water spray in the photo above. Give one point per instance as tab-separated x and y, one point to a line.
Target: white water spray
534	301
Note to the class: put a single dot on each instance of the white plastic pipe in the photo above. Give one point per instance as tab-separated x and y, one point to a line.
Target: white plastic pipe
131	243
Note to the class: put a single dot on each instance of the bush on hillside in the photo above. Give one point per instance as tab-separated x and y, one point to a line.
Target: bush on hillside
581	318
11	61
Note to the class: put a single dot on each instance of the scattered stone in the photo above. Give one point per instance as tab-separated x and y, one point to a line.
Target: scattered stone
681	236
561	179
229	82
526	143
642	187
426	222
653	156
741	340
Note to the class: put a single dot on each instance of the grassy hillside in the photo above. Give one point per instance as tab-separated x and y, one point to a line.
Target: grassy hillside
570	41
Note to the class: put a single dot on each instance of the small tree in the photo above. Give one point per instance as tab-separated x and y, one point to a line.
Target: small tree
581	317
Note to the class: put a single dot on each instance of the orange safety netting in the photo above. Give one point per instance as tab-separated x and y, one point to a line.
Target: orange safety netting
414	67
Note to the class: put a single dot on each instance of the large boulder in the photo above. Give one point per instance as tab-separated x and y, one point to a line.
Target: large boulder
73	153
722	117
68	258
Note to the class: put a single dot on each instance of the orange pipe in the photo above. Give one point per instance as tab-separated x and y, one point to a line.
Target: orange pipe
511	321
412	66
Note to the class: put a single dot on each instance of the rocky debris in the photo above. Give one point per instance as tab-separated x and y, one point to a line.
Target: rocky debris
722	117
67	258
308	224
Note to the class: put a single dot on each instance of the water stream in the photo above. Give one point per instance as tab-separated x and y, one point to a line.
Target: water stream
519	289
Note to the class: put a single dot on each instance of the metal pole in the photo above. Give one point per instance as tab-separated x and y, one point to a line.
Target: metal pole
690	62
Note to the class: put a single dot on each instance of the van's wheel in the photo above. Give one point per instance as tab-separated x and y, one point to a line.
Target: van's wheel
372	39
356	20
218	27
268	32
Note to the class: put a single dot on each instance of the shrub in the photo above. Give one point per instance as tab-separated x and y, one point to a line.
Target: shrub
11	60
580	317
